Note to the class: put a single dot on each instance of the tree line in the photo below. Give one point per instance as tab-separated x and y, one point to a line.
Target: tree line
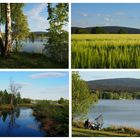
116	95
96	30
5	98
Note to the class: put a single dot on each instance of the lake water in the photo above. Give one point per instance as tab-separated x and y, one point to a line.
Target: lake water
20	123
35	46
117	112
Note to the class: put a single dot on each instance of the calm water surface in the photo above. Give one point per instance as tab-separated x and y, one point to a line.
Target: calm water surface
21	123
117	112
35	46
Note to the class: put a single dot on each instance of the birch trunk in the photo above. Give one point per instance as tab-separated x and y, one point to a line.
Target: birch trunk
8	39
1	40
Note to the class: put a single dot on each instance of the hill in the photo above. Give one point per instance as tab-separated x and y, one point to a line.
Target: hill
119	84
105	29
39	33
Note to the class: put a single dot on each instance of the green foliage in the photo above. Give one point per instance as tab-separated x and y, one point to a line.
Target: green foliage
81	31
19	26
62	101
106	51
98	30
5	98
25	101
57	44
117	95
81	96
121	31
54	117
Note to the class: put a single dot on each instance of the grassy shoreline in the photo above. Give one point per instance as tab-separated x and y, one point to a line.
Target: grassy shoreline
9	107
80	132
112	131
29	60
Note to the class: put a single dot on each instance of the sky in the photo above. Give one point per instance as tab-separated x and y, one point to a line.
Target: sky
38	85
37	16
97	75
106	14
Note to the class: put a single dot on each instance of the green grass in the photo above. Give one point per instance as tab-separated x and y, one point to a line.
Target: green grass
80	132
54	117
29	60
6	107
9	107
106	51
25	105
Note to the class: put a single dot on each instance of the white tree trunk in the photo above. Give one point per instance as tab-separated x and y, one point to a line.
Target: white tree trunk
8	41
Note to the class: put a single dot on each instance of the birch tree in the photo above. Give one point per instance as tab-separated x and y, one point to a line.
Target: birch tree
8	32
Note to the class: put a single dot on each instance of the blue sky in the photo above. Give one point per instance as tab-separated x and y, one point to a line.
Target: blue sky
38	85
97	75
37	16
106	14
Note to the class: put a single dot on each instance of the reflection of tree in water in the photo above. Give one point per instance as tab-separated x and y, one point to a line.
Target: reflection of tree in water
13	114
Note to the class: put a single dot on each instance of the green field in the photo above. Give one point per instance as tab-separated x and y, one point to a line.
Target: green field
105	51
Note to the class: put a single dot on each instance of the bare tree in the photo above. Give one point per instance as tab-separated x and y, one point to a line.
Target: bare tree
14	89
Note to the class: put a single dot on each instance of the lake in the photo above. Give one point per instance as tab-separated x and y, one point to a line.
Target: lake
117	112
35	46
20	123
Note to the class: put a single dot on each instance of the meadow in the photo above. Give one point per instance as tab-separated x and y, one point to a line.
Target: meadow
105	51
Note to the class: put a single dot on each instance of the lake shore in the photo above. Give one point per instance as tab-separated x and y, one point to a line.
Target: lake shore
9	107
80	132
29	60
111	131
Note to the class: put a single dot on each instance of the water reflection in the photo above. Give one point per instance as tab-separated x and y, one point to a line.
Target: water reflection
13	114
16	122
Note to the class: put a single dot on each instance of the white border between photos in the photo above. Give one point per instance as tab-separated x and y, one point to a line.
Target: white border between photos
69	70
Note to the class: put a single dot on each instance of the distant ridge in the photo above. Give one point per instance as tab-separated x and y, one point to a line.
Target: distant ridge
39	32
118	84
108	29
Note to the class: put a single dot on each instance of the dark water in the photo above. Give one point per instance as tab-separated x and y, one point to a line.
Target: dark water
19	122
117	112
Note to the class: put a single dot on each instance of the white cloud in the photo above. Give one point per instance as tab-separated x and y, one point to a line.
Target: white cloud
107	19
120	13
23	84
47	75
35	15
84	14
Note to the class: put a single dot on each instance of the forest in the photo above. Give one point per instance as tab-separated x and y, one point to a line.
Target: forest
117	95
16	31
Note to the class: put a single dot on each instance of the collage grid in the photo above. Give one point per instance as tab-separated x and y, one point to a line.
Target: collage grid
70	70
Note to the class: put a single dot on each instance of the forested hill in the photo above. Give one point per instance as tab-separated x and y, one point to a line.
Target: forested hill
39	33
119	84
105	30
